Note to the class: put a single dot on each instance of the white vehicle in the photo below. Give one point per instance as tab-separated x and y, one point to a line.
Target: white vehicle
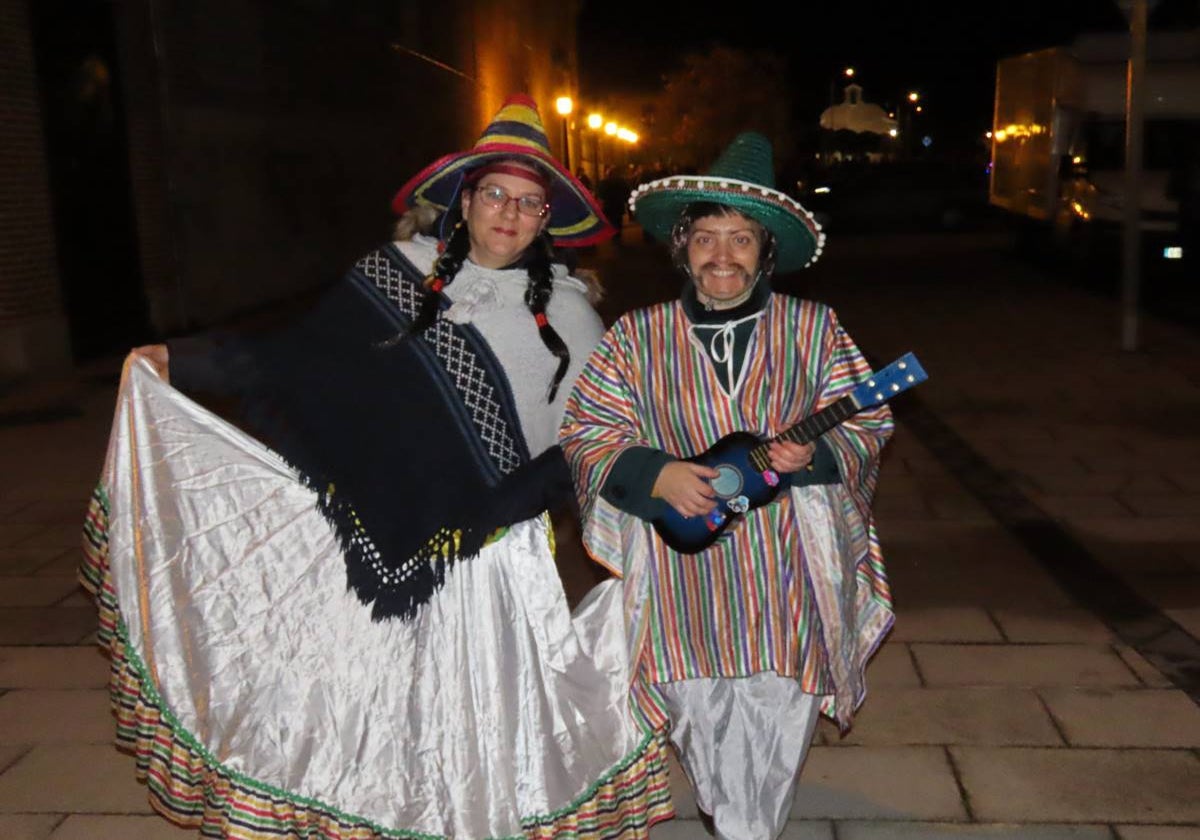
1058	139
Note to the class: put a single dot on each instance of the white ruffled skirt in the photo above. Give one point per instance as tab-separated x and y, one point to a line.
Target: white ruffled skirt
260	698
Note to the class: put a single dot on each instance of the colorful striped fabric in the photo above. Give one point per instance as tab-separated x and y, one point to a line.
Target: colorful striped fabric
515	133
781	594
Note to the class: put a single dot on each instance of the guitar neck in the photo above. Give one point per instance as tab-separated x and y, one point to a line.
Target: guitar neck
815	425
876	389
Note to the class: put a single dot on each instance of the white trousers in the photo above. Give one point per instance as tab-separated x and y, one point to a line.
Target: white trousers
742	742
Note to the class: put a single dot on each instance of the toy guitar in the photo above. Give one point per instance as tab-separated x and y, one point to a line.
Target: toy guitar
746	480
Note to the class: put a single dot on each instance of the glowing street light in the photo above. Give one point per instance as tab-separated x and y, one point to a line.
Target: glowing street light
564	105
849	72
595	121
610	128
906	116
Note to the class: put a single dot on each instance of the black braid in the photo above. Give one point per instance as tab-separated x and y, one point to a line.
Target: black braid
445	269
537	295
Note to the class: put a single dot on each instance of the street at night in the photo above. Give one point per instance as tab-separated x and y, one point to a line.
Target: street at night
1039	512
495	420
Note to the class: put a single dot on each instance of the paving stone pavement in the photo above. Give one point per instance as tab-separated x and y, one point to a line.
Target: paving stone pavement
1011	701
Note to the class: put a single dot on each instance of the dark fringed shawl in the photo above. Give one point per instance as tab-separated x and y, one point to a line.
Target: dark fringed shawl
415	450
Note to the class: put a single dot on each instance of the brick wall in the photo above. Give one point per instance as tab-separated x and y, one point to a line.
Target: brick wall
265	141
148	165
33	334
288	127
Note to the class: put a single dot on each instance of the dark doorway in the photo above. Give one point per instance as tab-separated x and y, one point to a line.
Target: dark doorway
88	156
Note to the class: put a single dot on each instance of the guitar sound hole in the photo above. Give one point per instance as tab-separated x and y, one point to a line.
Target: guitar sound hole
728	481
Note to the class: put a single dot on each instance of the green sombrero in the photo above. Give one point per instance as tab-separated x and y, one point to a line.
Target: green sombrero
743	178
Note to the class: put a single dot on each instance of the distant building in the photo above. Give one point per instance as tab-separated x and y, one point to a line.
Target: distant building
853	113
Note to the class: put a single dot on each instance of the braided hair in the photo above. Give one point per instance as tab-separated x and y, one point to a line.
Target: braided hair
449	261
537	295
538	292
443	272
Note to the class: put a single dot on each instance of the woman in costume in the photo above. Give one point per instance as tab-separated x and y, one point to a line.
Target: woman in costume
359	632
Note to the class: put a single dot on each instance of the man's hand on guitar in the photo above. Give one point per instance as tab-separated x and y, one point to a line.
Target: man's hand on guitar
787	457
684	486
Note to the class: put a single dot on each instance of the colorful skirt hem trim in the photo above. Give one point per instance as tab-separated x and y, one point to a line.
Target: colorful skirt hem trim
190	787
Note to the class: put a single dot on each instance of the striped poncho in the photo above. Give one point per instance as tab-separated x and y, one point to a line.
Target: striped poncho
799	588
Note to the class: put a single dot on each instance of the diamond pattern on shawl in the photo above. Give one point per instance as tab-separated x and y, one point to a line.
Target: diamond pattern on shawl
459	360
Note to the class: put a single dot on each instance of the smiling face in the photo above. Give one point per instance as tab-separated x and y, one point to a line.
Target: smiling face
722	255
500	234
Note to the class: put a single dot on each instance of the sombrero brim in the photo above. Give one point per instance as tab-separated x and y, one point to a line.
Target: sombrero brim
575	218
799	239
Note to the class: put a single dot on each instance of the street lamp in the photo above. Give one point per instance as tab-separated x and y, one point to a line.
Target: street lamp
905	118
564	106
610	129
595	122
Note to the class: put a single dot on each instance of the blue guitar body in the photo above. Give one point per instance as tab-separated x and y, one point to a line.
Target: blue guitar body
740	487
746	480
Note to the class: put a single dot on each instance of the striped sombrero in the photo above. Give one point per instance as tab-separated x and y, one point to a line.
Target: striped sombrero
515	132
743	178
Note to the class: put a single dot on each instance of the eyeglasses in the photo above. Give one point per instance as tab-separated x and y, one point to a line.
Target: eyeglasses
498	198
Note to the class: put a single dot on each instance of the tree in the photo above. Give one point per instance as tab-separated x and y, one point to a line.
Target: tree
717	95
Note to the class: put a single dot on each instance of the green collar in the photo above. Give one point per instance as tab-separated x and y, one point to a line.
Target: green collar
698	314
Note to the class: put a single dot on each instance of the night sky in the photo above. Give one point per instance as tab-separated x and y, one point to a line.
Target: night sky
946	50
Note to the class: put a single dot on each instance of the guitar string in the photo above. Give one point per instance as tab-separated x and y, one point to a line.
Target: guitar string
810	427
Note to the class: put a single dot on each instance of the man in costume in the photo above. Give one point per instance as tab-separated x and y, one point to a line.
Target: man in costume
360	632
739	647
